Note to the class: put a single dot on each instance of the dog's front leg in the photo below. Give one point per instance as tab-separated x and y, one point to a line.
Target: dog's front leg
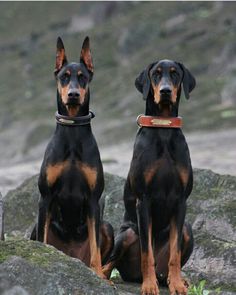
149	285
175	281
93	223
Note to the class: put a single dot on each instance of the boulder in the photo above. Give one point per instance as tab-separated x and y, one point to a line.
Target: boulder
32	268
21	208
211	211
38	269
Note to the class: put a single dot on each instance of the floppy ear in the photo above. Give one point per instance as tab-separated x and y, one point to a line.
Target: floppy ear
61	59
86	56
188	81
142	82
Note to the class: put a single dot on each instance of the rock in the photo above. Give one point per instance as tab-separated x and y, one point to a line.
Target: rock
211	211
37	269
21	208
1	219
32	268
112	205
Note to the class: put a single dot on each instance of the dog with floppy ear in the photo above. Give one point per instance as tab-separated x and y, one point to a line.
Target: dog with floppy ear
154	241
71	179
143	81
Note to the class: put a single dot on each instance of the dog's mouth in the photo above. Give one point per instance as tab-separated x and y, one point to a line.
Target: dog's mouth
165	106
166	99
73	102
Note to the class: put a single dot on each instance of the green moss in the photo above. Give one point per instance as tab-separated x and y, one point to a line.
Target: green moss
34	252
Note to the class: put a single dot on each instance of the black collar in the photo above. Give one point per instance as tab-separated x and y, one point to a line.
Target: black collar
74	121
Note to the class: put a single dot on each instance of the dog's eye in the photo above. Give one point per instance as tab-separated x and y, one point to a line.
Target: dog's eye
65	77
82	80
156	76
158	73
174	73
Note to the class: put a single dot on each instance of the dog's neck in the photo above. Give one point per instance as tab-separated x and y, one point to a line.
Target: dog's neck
83	109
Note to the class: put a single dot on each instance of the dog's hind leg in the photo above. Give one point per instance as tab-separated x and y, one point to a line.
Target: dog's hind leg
107	241
125	238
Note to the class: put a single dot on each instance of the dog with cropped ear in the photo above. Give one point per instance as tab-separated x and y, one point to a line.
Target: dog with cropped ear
154	241
71	179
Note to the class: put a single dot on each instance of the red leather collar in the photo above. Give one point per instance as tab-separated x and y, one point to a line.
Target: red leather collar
160	122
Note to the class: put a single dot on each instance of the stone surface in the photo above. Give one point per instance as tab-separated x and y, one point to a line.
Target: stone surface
40	270
32	268
21	207
211	211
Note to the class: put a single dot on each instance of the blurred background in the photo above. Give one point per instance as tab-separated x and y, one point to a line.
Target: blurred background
125	38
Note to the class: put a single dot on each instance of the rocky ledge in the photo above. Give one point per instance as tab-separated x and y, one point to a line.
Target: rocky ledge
28	267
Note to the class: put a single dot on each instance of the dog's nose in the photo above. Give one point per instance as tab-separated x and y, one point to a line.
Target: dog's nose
73	93
165	90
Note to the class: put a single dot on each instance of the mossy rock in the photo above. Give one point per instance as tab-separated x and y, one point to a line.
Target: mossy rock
210	210
20	206
39	269
32	268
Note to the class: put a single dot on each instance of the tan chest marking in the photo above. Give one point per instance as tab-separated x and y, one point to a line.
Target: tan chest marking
89	173
150	171
184	175
53	172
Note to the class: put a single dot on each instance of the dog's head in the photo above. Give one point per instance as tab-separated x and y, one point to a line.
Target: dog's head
162	81
73	78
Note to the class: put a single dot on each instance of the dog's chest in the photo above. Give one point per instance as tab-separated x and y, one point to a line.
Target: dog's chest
72	163
161	160
71	172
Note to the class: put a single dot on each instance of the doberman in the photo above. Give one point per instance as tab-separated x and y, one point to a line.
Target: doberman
71	179
154	241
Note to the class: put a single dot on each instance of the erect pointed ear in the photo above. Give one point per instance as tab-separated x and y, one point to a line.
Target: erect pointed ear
188	81
86	56
142	82
61	59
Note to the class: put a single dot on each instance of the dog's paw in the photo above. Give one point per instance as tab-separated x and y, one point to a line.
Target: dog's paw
177	286
99	272
149	287
106	270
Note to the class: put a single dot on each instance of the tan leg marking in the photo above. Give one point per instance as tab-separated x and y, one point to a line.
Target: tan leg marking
175	281
46	228
95	261
149	285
